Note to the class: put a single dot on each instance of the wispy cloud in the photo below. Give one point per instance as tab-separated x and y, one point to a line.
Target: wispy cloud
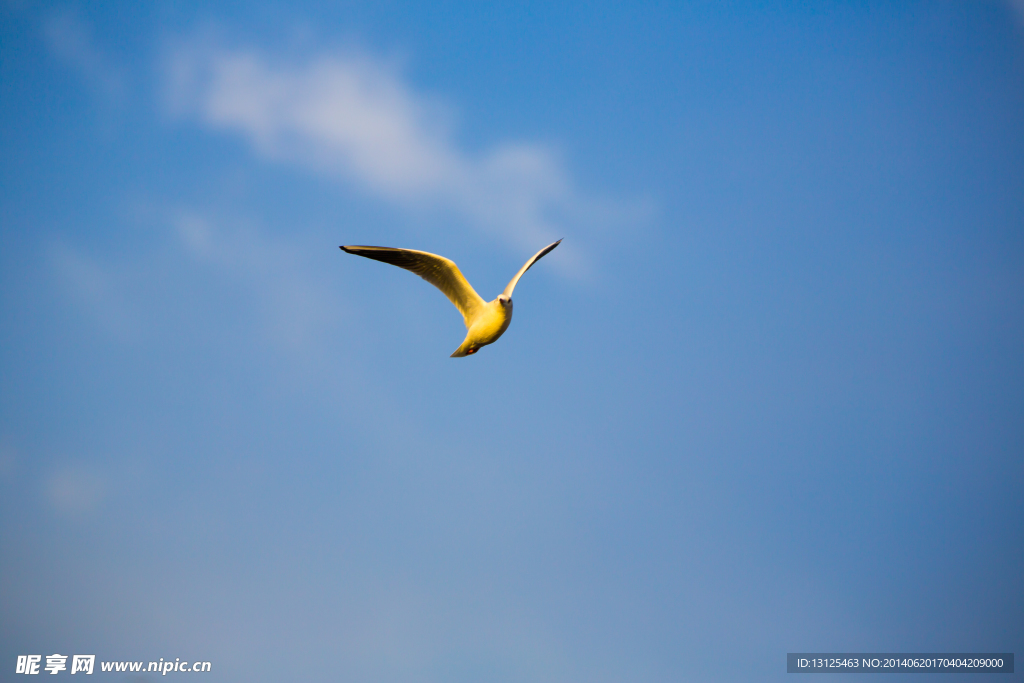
69	39
281	297
94	286
355	118
292	306
1018	9
8	457
74	491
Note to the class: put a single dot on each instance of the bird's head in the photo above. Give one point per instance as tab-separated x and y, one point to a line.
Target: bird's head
504	301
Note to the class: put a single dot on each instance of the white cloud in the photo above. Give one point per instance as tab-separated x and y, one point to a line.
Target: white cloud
356	119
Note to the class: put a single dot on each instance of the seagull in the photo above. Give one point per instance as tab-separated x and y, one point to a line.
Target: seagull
485	321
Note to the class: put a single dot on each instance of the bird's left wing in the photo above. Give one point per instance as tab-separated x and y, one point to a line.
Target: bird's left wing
536	257
437	270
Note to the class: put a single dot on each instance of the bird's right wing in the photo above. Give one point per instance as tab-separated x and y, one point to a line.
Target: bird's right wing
437	270
536	257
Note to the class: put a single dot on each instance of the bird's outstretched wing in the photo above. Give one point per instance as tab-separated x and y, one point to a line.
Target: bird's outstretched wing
536	257
437	270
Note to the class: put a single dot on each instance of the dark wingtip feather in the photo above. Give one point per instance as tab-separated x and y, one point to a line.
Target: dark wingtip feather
550	248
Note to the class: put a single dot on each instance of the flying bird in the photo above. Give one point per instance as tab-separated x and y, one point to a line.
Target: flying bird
485	321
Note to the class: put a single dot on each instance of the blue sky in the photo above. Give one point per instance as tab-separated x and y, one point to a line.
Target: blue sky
766	397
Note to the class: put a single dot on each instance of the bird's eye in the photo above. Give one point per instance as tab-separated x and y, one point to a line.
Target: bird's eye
471	351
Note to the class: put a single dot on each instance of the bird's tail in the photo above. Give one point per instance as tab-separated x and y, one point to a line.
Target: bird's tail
466	349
